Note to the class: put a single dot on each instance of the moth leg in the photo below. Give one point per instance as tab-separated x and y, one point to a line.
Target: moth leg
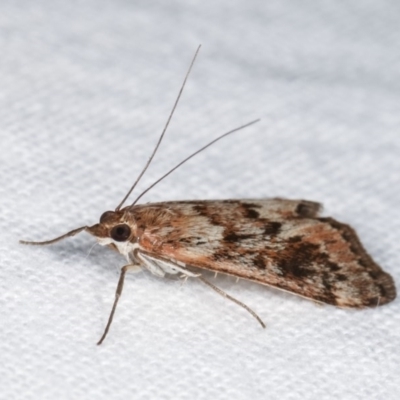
183	279
239	303
168	267
118	292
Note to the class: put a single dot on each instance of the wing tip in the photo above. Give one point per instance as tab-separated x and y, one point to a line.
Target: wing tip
308	209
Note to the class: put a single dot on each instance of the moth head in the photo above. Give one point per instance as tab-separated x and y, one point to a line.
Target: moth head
113	227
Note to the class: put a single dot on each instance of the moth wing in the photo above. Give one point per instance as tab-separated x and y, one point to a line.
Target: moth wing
269	242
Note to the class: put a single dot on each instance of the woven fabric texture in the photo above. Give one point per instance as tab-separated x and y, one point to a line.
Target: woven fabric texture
86	88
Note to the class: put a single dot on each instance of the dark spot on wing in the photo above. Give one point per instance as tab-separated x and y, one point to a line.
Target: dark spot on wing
222	255
204	211
251	213
201	209
291	267
327	281
371	302
295	239
374	274
234	237
307	209
384	292
250	205
297	260
272	228
333	267
259	262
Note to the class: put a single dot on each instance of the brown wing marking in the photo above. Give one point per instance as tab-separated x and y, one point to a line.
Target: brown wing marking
317	258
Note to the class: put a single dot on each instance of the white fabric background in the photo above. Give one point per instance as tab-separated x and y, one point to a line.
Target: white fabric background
85	89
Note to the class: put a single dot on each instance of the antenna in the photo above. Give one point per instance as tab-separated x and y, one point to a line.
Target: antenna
162	134
192	155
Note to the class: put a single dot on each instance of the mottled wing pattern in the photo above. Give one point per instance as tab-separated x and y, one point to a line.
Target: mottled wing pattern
276	242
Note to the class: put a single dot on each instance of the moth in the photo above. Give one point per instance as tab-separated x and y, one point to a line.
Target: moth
275	242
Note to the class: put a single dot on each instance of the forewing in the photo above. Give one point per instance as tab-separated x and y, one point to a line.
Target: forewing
281	243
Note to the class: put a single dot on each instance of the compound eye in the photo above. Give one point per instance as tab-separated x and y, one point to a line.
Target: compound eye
105	216
120	233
